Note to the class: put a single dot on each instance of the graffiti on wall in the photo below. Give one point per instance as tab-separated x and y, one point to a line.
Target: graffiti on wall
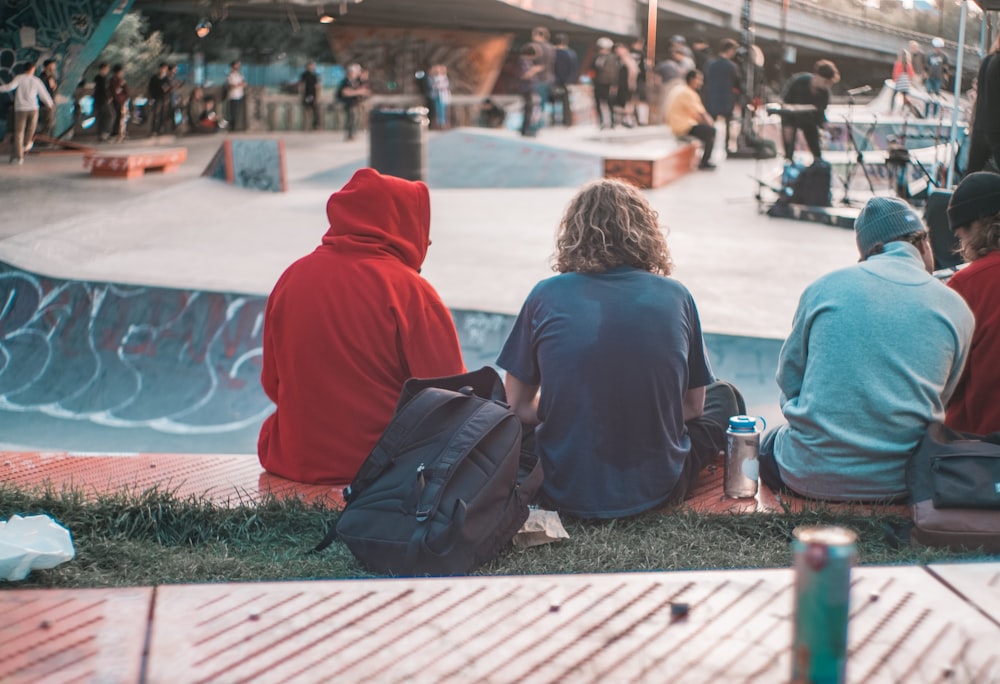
392	56
130	356
178	362
185	364
253	164
73	32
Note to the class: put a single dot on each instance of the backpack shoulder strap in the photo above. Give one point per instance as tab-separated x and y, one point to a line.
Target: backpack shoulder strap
487	417
407	419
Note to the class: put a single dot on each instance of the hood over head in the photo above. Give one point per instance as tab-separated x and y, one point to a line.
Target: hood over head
382	213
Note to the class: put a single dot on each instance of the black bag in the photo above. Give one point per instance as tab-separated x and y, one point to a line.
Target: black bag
954	484
447	486
812	187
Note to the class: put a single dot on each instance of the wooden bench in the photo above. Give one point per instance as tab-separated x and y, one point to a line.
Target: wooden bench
133	163
656	172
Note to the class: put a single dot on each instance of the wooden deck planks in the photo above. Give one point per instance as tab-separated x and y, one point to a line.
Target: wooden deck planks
224	479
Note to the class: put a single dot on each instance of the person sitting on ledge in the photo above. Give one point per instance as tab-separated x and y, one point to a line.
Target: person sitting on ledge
974	216
875	352
201	112
346	326
607	359
686	115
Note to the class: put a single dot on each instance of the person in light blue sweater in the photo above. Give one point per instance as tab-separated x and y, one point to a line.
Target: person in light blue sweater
875	352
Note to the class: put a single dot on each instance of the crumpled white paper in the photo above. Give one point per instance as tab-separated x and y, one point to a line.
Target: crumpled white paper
541	527
34	542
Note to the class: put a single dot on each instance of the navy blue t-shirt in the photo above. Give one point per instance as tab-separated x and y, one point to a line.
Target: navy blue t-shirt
614	354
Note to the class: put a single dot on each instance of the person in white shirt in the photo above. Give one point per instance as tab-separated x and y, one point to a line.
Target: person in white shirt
28	91
236	94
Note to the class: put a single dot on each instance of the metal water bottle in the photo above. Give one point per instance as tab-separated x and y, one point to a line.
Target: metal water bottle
742	450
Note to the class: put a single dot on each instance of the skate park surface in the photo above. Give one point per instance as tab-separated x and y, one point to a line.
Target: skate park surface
130	318
137	321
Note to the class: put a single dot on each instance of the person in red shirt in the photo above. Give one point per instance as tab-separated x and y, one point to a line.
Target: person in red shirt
974	216
346	326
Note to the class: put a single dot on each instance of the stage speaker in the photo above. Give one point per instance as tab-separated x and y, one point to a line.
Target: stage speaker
943	241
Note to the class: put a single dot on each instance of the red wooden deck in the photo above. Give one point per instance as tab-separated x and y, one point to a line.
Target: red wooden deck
906	625
223	479
231	479
134	163
708	497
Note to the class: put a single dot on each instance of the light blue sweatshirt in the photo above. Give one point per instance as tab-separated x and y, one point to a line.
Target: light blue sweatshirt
875	352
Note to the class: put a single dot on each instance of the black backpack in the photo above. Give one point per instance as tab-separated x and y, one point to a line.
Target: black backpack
447	486
813	186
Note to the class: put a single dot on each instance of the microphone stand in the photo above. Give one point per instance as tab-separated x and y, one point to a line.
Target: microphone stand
859	158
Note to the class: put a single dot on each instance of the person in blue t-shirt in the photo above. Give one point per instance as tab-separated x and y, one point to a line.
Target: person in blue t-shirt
607	359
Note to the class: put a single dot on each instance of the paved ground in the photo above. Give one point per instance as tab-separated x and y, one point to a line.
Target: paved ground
496	200
222	248
933	623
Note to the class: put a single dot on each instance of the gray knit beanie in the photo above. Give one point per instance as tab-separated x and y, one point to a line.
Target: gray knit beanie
885	219
977	196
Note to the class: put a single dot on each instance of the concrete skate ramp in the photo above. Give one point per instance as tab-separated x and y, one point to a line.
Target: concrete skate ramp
92	366
470	159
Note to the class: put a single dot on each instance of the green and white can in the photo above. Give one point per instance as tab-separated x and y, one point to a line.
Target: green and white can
823	557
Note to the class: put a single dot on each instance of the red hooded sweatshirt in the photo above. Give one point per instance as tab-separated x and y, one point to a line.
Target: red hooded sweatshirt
346	326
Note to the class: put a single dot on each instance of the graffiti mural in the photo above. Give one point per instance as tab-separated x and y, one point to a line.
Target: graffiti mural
253	164
392	56
130	356
73	32
103	366
117	358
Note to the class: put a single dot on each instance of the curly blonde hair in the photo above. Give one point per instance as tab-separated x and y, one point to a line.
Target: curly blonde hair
609	224
984	237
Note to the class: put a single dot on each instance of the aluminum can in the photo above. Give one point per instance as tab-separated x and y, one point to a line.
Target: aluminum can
823	557
742	451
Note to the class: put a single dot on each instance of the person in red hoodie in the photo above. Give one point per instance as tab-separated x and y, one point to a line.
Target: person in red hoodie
346	326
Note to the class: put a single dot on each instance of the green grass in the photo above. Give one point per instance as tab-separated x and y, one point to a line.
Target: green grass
153	537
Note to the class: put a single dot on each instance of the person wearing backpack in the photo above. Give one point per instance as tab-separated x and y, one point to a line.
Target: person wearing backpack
607	359
345	326
605	70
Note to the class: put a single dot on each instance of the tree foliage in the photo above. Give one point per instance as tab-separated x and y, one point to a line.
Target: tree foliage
136	48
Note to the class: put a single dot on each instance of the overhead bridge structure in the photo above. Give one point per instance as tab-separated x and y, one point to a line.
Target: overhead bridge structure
808	25
75	31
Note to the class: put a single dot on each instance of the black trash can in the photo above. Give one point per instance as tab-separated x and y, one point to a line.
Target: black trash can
398	142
